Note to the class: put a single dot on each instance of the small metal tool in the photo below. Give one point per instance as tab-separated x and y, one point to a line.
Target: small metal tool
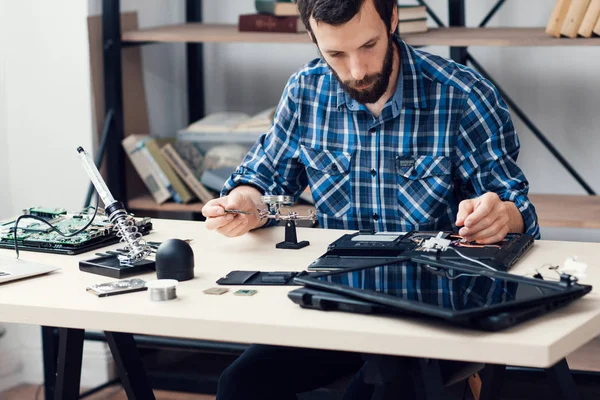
238	212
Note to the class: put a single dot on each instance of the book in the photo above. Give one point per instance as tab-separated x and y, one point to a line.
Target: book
181	193
574	18
228	127
187	162
270	23
557	18
412	26
148	170
276	7
590	19
410	12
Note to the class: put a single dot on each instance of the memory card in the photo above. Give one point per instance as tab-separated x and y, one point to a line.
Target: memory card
245	292
216	290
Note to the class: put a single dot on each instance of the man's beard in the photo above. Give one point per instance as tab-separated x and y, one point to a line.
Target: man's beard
377	83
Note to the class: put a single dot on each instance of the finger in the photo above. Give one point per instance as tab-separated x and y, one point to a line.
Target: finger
484	206
498	237
487	231
472	231
242	229
465	208
214	223
214	208
232	226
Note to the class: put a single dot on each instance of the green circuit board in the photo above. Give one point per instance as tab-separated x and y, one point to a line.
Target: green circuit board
33	234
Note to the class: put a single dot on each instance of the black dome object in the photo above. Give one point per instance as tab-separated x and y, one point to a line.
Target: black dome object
175	260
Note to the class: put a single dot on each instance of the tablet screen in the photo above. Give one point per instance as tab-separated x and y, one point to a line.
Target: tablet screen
439	287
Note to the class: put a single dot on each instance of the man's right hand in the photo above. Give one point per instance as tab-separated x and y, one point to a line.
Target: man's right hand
230	224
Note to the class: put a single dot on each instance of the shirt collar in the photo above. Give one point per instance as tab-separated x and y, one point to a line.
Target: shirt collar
410	91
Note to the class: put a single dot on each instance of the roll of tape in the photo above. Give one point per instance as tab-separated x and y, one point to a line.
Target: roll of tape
162	289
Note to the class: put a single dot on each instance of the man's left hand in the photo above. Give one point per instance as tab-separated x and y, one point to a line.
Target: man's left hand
487	219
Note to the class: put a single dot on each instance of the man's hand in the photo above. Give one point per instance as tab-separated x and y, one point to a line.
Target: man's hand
232	225
487	219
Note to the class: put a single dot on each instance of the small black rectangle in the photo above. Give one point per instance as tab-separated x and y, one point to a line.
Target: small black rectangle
110	266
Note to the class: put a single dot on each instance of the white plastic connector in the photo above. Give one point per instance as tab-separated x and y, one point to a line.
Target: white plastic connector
437	243
573	267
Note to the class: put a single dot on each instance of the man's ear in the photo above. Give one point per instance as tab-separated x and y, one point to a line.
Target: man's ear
394	24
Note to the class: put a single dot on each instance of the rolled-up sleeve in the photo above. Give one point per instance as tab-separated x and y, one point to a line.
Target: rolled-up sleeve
487	151
272	164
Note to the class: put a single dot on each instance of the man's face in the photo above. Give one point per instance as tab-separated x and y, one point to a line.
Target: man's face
359	52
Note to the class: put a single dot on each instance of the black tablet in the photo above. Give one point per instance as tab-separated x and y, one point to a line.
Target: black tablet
363	249
464	295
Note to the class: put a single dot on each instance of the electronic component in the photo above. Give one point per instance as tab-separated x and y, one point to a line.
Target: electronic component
245	292
34	235
216	290
118	287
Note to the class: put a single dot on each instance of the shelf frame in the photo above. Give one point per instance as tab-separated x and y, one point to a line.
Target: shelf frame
457	36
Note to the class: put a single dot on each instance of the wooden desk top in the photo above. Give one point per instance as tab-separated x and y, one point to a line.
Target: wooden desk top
60	299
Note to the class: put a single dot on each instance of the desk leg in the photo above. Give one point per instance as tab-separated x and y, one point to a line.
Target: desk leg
562	381
129	365
70	352
492	377
50	355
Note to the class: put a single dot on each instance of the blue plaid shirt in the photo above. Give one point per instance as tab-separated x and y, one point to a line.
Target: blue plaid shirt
445	136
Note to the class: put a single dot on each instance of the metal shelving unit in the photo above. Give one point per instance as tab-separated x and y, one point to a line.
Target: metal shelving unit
194	33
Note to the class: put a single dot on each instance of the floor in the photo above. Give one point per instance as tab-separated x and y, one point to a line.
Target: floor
34	392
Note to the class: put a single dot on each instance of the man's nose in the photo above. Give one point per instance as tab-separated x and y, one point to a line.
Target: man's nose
358	69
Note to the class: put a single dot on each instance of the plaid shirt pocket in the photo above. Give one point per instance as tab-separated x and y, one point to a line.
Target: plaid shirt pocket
328	174
424	188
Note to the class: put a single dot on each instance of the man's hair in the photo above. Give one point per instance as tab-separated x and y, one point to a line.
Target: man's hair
338	12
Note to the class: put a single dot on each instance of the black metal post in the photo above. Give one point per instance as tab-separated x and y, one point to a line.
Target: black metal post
50	355
492	378
562	382
100	153
531	126
457	18
113	97
432	14
492	12
195	64
129	365
70	353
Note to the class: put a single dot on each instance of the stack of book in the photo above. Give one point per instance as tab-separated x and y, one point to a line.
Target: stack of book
181	171
272	16
233	127
412	19
572	18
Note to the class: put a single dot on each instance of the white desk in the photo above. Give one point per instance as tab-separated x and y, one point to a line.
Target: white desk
269	317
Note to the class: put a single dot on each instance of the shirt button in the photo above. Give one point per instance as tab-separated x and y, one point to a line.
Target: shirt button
372	130
334	167
375	216
373	172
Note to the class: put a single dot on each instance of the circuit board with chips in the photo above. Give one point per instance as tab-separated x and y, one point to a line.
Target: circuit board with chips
34	235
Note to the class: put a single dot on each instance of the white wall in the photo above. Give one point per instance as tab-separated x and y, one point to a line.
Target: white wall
47	103
5	200
45	113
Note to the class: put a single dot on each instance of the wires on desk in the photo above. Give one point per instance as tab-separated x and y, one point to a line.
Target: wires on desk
52	227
